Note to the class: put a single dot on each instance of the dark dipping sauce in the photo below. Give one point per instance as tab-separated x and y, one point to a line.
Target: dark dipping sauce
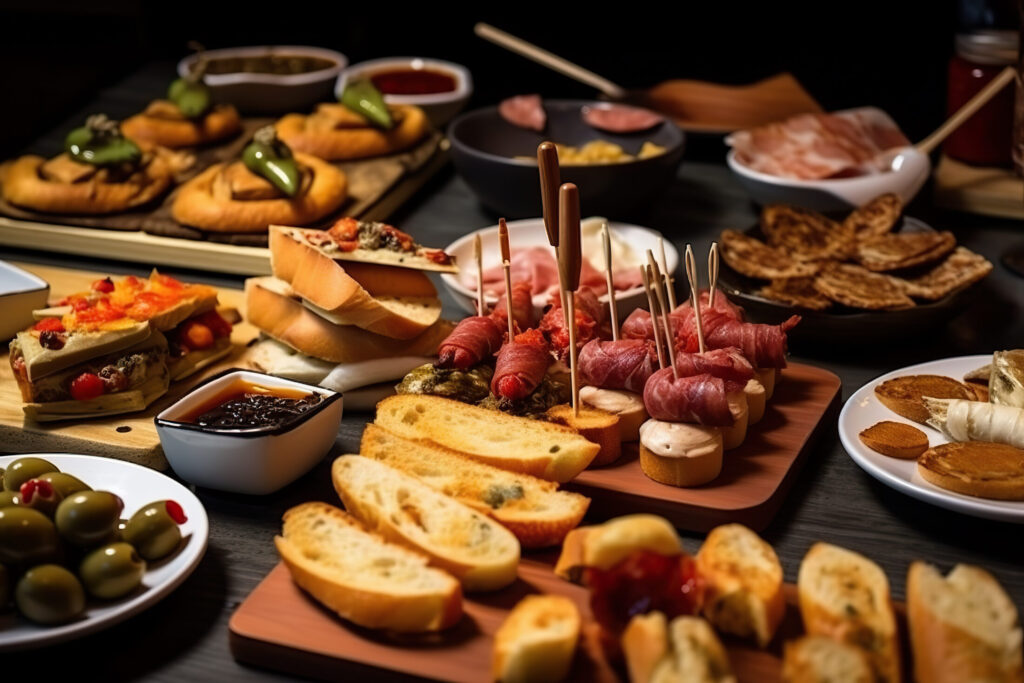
247	406
413	82
280	65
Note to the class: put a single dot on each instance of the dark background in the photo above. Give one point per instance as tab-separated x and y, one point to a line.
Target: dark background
894	54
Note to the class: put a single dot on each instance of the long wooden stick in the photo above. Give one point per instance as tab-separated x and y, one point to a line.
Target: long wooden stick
570	261
645	272
663	309
669	285
967	111
691	275
550	182
479	257
613	312
506	266
712	273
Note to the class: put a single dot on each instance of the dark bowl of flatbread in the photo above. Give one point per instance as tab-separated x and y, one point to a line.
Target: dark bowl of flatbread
869	275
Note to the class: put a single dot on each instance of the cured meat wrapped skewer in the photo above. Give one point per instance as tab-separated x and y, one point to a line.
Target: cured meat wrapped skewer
590	315
700	399
522	307
521	365
473	340
624	364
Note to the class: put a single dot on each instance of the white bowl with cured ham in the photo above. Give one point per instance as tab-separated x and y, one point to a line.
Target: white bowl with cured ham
533	261
828	162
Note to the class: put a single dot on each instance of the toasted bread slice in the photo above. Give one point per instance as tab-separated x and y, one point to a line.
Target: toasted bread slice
518	444
963	627
818	659
904	250
895	439
796	291
533	509
961	268
857	287
78	347
804	234
605	545
975	468
537	640
628	406
594	424
683	651
744	583
845	596
680	454
362	577
479	552
876	218
904	395
757	400
753	258
735	434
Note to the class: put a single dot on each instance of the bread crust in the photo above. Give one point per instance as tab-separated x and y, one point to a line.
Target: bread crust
903	395
895	439
316	133
24	186
595	425
975	468
219	123
537	641
196	205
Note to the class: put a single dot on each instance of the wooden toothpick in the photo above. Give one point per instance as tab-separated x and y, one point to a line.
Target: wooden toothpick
550	183
570	262
691	275
712	273
479	257
645	272
613	313
669	285
663	309
506	266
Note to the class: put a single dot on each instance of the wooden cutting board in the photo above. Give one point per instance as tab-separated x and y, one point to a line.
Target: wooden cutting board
280	627
977	189
130	437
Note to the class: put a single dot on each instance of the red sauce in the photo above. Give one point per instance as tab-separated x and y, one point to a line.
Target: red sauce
406	81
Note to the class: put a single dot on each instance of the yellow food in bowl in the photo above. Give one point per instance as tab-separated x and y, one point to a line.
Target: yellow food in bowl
601	152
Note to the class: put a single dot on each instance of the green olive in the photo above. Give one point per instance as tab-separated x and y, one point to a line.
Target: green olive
49	594
112	571
40	495
27	537
9	498
5	587
65	483
2	471
23	469
153	530
88	518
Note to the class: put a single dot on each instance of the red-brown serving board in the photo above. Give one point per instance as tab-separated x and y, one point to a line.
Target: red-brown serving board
755	477
280	627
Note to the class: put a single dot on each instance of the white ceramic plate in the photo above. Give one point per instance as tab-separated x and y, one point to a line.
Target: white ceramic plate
863	409
136	486
530	232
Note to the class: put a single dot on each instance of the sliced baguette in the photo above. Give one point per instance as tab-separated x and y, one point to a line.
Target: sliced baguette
517	444
680	454
845	596
683	651
819	659
744	583
362	577
537	641
533	509
479	552
605	545
594	424
963	627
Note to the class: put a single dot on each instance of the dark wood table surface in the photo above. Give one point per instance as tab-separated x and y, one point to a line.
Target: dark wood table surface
185	637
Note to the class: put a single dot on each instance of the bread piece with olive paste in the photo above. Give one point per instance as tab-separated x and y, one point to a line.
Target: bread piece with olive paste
845	596
533	509
685	650
479	552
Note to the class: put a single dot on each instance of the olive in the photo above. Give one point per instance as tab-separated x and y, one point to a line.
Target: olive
112	571
49	594
65	483
23	469
40	495
2	471
5	587
88	518
153	530
27	537
8	498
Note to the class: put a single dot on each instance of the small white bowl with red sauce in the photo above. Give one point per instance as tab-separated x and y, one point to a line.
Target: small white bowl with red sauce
219	437
441	89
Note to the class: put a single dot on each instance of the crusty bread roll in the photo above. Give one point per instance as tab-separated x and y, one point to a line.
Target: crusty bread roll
819	659
757	401
595	425
744	583
683	651
336	133
362	577
963	627
680	454
603	546
537	641
627	405
162	123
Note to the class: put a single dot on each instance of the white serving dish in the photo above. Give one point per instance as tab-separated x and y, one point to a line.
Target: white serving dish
863	409
21	293
440	108
836	194
530	232
252	461
136	486
271	93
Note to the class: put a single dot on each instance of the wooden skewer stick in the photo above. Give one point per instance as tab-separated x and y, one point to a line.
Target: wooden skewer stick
570	260
670	288
613	313
506	266
663	310
712	273
645	272
691	275
479	257
550	181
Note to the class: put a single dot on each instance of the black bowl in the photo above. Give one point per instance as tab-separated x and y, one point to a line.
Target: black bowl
840	326
485	147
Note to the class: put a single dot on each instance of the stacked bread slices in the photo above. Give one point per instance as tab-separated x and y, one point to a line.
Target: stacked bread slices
344	324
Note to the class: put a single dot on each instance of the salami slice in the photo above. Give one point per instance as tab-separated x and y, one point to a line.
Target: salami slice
620	118
623	364
521	365
473	340
524	111
697	399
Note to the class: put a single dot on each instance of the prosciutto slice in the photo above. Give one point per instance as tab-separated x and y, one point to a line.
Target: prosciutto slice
590	315
623	364
521	365
763	345
727	363
537	267
722	305
697	399
620	118
472	341
522	307
524	111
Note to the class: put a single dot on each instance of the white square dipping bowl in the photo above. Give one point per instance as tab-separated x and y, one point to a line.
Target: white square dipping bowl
21	293
257	460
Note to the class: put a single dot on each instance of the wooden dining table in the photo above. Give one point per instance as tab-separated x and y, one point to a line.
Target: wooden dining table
185	636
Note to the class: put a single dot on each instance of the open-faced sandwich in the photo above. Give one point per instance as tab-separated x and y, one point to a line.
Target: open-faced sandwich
99	172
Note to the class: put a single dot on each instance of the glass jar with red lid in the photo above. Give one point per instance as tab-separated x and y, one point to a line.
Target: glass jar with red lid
986	139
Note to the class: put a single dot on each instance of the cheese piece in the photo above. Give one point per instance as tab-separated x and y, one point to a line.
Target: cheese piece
734	435
962	420
757	398
627	405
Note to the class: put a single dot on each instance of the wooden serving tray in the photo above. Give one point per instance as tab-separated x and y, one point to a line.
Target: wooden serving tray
130	437
280	627
977	189
755	477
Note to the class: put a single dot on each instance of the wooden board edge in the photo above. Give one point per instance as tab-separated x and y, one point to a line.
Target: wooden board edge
43	442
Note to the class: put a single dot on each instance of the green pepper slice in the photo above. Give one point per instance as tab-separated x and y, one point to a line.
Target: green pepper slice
100	143
363	98
191	95
268	157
